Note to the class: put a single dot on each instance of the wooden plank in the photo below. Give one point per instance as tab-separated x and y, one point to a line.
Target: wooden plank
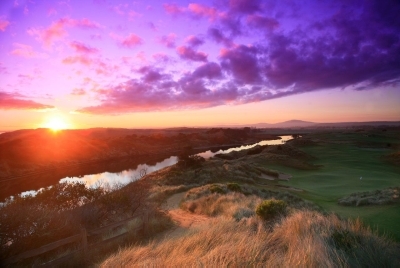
44	249
84	242
61	260
113	225
82	237
95	245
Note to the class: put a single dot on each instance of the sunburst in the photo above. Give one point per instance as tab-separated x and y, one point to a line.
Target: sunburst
56	123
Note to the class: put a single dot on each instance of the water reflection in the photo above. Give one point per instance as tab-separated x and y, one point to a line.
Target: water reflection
209	153
115	180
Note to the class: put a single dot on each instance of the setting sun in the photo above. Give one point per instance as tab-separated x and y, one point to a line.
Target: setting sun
56	123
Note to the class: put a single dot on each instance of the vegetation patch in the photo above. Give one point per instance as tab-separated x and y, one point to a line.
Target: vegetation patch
302	239
378	197
345	239
269	209
393	158
234	187
216	189
256	150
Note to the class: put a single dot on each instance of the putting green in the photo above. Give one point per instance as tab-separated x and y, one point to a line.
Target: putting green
343	166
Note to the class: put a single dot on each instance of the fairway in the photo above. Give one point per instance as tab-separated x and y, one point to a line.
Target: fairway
343	164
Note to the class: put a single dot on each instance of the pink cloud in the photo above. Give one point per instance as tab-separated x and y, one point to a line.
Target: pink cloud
9	101
82	59
161	57
56	30
173	9
102	68
190	54
24	51
131	40
82	48
168	40
3	24
203	11
85	23
78	92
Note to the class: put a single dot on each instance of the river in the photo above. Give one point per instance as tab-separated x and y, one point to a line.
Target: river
112	180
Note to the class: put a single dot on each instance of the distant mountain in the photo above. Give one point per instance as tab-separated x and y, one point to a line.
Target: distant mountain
307	124
360	124
286	124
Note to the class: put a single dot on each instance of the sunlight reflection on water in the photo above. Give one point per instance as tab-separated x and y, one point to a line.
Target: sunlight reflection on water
113	180
209	154
120	178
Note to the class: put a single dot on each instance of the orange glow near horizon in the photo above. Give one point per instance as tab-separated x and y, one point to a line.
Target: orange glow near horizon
57	123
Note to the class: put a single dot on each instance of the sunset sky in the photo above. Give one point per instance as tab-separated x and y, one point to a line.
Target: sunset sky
135	64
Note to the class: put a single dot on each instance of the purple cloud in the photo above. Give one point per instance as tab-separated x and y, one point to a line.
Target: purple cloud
150	74
262	22
189	54
219	37
210	70
194	41
245	6
243	64
168	40
173	9
358	48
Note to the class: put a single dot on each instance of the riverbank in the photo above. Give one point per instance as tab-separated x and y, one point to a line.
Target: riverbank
125	153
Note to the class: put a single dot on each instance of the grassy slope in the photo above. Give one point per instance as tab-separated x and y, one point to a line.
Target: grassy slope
235	236
304	237
343	165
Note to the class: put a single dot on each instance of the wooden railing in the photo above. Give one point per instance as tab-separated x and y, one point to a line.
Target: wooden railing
82	238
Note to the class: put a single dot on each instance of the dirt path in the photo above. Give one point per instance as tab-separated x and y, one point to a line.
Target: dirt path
183	219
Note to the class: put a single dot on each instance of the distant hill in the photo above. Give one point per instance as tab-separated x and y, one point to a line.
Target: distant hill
359	124
307	124
286	124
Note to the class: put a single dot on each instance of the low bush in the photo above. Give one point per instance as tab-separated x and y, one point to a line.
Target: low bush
269	209
255	150
216	189
234	187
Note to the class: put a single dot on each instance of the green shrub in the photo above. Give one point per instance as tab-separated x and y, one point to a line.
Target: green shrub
270	208
234	187
216	189
344	239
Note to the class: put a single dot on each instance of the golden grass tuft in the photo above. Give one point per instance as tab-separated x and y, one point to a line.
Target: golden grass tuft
301	239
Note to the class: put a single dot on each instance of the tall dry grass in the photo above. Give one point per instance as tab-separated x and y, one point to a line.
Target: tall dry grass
302	239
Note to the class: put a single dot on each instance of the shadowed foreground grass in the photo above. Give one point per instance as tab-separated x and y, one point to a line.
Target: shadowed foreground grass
302	238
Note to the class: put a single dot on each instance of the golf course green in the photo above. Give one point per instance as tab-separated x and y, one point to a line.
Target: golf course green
350	162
